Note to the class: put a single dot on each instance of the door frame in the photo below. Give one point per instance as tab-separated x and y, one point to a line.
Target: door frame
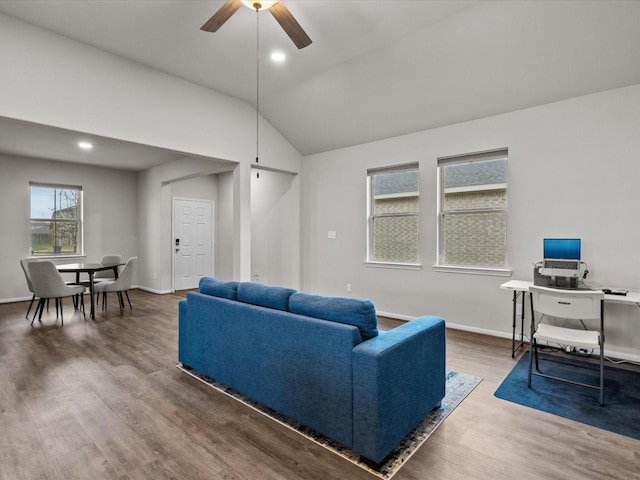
173	235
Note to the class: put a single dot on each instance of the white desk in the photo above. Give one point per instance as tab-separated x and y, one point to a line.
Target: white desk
521	287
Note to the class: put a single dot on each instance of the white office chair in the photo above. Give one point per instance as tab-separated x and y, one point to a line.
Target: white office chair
567	304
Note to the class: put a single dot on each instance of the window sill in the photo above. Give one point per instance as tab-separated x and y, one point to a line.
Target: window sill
469	270
59	257
397	266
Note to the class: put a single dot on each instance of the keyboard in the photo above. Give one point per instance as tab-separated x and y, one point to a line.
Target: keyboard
615	291
562	264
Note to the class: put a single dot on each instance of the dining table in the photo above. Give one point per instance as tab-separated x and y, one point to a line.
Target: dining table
90	269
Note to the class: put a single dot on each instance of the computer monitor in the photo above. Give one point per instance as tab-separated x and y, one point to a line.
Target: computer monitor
561	248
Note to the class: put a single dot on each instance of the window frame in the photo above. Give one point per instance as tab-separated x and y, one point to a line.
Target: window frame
441	266
371	216
78	221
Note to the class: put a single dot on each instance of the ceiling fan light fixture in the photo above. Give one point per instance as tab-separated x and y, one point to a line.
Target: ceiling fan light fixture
276	7
259	5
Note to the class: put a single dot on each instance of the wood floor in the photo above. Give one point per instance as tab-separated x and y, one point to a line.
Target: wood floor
103	400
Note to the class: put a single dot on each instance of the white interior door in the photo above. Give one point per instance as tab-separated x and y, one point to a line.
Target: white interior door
193	242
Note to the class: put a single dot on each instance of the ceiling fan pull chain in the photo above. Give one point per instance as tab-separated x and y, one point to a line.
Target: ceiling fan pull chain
257	92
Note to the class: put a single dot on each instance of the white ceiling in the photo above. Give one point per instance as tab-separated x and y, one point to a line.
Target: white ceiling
39	141
376	68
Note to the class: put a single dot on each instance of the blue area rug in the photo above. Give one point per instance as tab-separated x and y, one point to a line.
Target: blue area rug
621	393
458	386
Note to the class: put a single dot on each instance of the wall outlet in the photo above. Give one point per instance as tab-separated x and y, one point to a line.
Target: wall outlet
348	288
155	276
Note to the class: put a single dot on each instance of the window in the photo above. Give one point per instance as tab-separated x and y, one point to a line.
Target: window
393	215
56	219
472	223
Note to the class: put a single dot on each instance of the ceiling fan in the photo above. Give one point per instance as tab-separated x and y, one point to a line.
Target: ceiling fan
279	11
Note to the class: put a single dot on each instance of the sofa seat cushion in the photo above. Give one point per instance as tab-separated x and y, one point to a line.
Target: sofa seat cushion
352	311
265	295
219	288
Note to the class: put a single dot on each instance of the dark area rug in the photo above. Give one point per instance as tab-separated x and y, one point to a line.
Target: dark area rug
621	408
458	386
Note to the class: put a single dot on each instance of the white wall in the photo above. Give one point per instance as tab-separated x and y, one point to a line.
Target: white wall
110	214
275	220
52	80
573	171
204	187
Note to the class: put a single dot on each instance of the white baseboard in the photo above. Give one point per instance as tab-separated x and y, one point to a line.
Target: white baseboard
608	352
17	299
483	331
454	326
27	299
153	290
406	318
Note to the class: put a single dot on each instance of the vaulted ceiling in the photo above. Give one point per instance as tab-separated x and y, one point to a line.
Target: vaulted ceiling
376	68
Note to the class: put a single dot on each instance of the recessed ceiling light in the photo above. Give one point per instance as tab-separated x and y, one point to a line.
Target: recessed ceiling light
85	145
278	57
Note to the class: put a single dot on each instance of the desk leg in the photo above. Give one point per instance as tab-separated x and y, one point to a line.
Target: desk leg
524	302
514	347
76	298
533	348
92	313
513	324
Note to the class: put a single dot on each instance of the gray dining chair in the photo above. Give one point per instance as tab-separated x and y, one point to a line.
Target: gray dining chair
24	263
48	283
106	274
120	285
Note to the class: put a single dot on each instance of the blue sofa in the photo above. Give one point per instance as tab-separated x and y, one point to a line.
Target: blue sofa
318	360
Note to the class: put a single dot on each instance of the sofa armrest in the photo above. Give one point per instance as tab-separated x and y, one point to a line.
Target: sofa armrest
399	377
183	332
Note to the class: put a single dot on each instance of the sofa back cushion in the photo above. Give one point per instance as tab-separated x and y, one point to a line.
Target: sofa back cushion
299	366
219	288
265	295
352	311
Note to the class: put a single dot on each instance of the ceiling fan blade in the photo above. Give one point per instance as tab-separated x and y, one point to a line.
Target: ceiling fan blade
290	25
221	16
